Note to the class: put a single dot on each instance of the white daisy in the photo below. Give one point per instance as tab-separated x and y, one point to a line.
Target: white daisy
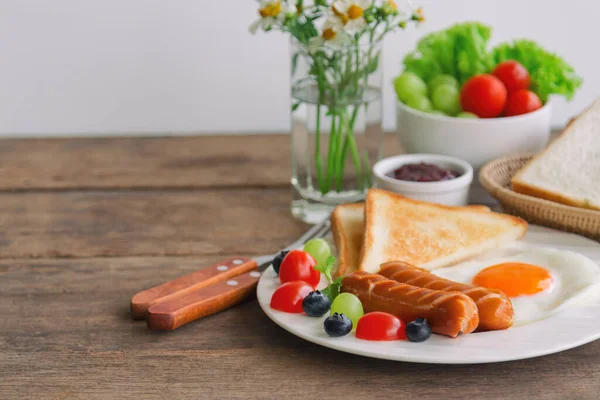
351	12
332	35
271	13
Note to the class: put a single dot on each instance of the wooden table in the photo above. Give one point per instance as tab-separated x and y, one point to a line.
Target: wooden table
86	223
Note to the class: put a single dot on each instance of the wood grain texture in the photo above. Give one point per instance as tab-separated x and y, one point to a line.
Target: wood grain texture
51	347
139	212
154	222
169	162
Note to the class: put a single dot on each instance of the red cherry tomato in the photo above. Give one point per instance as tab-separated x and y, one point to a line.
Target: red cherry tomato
298	265
378	325
513	75
483	95
288	297
522	102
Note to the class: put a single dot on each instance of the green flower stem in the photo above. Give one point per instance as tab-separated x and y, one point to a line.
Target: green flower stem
354	115
338	148
320	68
342	150
350	143
355	159
356	81
318	147
331	155
345	146
342	164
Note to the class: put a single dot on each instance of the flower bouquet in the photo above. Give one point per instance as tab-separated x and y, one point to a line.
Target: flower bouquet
336	93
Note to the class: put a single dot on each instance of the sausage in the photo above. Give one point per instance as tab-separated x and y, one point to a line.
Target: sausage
448	313
495	308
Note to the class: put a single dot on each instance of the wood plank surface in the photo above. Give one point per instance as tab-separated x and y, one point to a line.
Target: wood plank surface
66	334
150	222
166	162
87	223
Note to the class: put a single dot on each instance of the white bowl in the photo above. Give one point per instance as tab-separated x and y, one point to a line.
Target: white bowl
476	141
453	192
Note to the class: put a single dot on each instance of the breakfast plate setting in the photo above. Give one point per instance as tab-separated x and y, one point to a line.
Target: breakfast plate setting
578	325
416	274
535	295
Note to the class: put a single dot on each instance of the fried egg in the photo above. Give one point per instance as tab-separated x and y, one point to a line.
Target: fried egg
539	281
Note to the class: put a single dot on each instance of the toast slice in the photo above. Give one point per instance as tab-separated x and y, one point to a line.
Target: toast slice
430	235
567	170
348	228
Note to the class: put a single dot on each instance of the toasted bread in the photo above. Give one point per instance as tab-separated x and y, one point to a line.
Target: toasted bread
348	228
430	235
567	170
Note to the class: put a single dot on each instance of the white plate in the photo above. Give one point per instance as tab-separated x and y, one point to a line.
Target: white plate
571	328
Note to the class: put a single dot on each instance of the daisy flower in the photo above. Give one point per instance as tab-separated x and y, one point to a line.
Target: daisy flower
351	12
271	13
332	34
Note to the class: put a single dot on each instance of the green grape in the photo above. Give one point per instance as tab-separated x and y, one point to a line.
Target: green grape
440	80
318	249
349	305
446	98
408	84
466	114
419	102
437	112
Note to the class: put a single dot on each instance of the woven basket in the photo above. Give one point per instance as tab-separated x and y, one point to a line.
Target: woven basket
496	177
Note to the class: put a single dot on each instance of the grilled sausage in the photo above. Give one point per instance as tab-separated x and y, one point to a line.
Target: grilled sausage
495	308
448	313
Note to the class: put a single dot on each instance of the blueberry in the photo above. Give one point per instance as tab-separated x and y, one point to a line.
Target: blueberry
277	261
418	330
337	325
316	304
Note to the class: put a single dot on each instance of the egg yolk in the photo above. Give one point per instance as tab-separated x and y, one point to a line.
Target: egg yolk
514	279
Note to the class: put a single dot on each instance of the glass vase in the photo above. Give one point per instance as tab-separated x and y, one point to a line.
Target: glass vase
337	130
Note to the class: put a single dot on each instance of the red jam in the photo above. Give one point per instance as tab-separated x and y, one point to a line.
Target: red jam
423	172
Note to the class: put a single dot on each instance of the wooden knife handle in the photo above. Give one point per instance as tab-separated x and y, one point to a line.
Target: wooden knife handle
218	272
179	310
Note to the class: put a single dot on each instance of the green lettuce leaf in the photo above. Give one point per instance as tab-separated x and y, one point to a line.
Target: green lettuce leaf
550	74
460	51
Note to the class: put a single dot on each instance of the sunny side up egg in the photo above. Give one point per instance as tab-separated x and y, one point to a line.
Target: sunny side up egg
539	281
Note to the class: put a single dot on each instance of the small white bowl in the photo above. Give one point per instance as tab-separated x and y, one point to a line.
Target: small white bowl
476	141
453	192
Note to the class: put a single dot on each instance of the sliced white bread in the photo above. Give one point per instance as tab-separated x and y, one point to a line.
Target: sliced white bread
568	170
348	228
430	235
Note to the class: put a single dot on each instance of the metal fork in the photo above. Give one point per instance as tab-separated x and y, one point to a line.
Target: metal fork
209	290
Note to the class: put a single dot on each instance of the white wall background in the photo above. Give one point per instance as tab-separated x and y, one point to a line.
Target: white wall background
109	67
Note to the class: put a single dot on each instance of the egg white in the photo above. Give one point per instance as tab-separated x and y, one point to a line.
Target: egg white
576	279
